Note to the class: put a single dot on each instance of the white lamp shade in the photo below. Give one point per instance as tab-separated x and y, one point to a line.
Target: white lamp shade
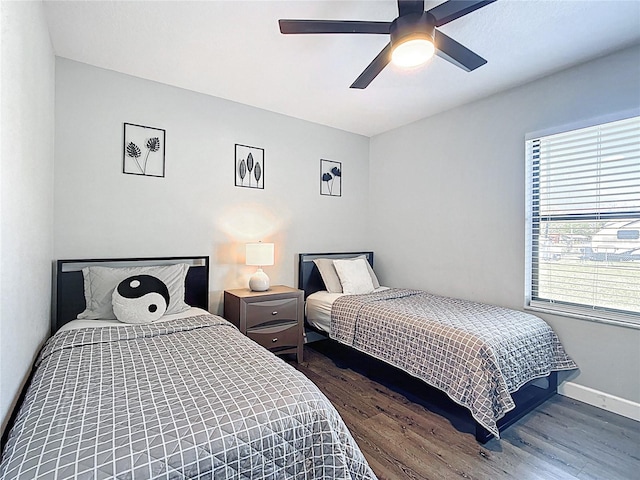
259	254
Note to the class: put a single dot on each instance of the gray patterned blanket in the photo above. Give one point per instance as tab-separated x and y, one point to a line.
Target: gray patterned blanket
476	353
190	398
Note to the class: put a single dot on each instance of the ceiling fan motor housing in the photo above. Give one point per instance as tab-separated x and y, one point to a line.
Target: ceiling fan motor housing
410	27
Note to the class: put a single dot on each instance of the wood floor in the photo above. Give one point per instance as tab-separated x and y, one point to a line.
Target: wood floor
401	427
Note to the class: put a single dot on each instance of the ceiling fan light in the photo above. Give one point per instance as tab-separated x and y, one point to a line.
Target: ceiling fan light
413	52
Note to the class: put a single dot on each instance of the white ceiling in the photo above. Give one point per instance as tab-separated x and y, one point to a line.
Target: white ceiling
233	49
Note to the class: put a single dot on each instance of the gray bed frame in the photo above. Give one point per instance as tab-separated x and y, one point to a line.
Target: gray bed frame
527	398
69	294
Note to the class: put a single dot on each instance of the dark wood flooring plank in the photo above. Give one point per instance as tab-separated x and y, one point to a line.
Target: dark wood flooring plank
610	428
347	394
542	446
593	471
519	463
583	439
379	455
423	453
414	419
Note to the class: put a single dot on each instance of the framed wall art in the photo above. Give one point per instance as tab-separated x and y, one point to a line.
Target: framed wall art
330	178
249	166
143	150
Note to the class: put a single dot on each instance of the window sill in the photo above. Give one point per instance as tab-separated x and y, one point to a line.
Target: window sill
600	317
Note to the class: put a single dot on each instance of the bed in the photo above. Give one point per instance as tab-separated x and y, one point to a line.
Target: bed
497	362
185	396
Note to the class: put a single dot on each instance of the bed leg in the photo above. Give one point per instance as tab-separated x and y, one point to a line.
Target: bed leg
482	434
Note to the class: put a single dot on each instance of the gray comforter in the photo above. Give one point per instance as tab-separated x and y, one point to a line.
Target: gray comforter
189	398
476	353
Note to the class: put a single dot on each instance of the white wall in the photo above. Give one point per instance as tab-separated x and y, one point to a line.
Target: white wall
447	204
26	193
196	209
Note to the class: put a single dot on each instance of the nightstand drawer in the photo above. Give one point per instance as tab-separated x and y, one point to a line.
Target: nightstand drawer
271	311
276	337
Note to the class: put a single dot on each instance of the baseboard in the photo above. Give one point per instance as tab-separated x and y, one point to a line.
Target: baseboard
599	399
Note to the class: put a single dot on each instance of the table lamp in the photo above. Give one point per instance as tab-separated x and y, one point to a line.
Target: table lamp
261	255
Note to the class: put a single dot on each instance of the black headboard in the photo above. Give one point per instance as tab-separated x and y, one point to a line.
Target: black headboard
309	278
69	295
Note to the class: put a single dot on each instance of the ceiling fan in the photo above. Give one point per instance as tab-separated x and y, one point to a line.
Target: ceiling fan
414	38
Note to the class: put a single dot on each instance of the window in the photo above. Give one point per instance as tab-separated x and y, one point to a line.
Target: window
583	222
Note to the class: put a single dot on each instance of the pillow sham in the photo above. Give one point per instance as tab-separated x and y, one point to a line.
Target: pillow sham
140	299
330	277
100	282
354	276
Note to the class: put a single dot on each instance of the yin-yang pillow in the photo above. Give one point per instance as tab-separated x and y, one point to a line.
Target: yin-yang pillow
100	282
140	299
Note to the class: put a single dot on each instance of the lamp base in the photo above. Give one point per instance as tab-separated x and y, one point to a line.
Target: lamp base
259	281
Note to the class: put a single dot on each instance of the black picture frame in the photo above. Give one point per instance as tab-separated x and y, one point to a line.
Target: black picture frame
330	178
143	150
249	166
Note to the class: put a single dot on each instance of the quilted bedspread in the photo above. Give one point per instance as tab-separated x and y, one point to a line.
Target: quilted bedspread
476	353
190	398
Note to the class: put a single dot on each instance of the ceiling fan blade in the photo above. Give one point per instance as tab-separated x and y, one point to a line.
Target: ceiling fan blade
410	6
452	9
374	68
456	53
332	26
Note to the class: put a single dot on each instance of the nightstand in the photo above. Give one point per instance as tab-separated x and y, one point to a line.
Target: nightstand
274	318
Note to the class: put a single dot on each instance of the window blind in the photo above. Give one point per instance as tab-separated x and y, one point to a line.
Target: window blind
583	222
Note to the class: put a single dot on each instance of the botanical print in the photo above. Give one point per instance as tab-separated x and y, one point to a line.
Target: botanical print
330	178
143	150
249	166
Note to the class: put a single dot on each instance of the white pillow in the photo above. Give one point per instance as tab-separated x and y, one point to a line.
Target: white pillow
100	282
354	276
330	277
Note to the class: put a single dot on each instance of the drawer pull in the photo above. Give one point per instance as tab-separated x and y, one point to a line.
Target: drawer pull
274	340
275	312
